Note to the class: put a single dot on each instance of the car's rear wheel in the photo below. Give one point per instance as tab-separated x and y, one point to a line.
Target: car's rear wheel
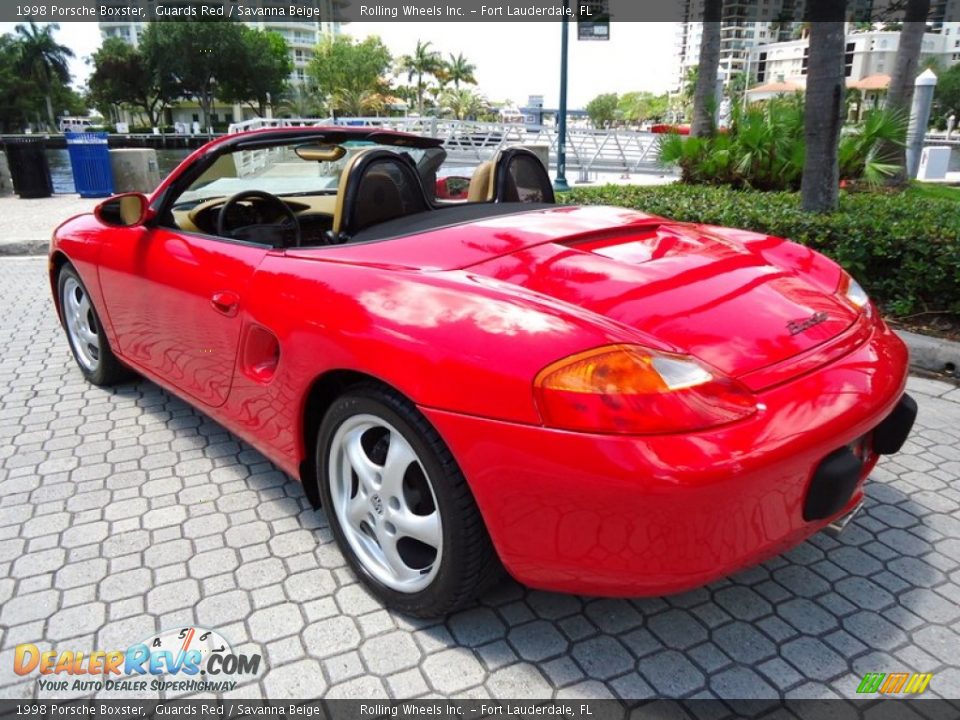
88	342
399	506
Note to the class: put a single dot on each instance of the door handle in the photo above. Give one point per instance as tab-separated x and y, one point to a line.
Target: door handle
225	302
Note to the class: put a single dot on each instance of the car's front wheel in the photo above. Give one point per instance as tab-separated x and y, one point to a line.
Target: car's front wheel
85	332
399	506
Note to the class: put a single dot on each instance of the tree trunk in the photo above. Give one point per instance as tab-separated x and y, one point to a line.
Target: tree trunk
900	94
53	120
823	109
149	109
206	100
704	96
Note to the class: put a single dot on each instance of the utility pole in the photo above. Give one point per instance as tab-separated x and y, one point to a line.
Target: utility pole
560	184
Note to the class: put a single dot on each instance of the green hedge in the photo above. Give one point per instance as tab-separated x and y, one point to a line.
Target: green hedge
904	249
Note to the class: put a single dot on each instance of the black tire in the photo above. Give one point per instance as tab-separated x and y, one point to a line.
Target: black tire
468	563
109	370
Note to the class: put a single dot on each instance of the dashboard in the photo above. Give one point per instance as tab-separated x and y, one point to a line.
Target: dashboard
314	215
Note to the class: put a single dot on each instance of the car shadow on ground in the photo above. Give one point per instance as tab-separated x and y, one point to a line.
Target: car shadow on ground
808	623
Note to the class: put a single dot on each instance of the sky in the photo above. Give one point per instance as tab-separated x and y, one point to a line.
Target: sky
513	59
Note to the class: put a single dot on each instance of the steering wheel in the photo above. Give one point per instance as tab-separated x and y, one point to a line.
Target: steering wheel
268	199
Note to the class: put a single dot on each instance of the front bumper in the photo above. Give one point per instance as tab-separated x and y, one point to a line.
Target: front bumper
627	515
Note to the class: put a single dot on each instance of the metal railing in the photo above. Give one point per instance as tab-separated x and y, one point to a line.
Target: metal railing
468	142
942	138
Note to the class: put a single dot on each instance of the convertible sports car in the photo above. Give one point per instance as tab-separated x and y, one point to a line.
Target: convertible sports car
599	400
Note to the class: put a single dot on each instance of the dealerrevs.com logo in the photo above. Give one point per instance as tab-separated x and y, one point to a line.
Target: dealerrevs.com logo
199	659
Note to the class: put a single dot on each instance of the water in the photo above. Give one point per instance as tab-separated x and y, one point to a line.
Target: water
168	159
62	175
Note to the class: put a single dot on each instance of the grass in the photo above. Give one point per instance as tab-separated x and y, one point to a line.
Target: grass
935	192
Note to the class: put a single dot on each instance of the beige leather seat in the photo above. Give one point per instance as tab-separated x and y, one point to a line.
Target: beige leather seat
348	169
514	175
481	183
376	185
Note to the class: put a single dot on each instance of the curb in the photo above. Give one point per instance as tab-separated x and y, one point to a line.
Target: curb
24	247
932	354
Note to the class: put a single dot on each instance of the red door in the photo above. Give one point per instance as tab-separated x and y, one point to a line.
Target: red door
175	301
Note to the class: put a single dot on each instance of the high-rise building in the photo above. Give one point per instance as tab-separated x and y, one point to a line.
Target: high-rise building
748	24
745	24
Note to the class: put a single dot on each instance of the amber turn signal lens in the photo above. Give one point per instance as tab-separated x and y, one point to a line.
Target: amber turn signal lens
615	369
631	389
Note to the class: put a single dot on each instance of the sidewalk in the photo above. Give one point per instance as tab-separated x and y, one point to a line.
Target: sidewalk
26	225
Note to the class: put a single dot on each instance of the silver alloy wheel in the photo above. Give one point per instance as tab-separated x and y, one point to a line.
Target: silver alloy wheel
81	324
385	503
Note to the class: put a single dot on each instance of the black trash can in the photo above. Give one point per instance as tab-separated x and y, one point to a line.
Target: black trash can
29	169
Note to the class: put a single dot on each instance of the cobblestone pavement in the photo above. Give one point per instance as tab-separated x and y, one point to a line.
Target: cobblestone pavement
125	513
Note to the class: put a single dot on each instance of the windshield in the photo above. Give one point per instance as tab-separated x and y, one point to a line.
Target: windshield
277	170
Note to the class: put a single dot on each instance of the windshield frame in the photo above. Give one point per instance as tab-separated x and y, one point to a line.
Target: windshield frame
325	183
183	176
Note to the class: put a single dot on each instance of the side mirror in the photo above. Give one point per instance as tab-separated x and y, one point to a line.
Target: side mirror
125	210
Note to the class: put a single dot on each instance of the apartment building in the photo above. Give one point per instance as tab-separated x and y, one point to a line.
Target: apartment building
748	27
301	36
869	53
744	25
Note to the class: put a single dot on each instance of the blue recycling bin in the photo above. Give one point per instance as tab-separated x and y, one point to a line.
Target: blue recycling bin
90	161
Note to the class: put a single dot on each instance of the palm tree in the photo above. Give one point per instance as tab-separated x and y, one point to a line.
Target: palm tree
43	60
900	94
704	97
823	113
463	104
460	70
301	102
424	61
357	102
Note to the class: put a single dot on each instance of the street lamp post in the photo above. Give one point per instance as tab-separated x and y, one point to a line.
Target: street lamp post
924	86
560	183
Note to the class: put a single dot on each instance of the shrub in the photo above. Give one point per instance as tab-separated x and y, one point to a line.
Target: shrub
765	148
904	249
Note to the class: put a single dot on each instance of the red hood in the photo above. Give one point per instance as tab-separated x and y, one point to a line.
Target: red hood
703	293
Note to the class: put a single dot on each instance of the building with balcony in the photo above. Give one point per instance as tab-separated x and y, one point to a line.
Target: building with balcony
745	24
781	68
748	27
868	54
301	36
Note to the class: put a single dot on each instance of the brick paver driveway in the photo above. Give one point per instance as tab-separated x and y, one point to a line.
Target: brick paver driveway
125	513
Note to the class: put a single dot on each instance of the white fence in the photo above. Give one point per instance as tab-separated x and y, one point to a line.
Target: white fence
473	142
942	138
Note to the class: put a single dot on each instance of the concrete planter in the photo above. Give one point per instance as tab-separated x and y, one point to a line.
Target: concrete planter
134	170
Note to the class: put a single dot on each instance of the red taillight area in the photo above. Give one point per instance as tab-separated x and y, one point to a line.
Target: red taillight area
627	389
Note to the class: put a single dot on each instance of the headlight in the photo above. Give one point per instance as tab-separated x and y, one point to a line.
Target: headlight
851	290
634	390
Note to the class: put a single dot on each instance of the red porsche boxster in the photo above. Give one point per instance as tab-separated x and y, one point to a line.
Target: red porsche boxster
599	400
